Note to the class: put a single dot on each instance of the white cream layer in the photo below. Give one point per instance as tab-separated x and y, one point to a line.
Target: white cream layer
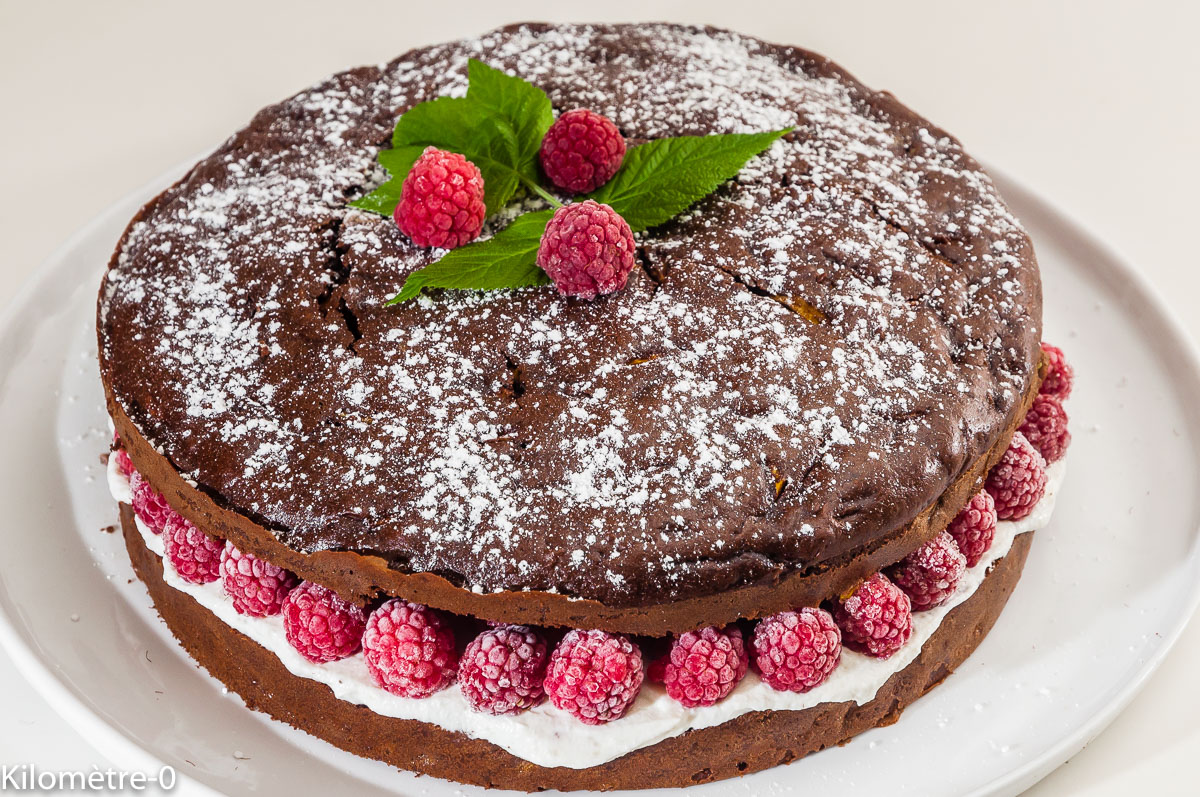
551	738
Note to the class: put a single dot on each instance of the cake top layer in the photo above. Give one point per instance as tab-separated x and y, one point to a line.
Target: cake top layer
802	364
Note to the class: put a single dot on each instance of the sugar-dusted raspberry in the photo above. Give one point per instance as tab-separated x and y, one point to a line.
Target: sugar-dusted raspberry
587	249
876	619
975	527
1018	480
796	651
148	503
502	670
704	666
1045	427
930	574
594	675
1059	374
441	200
582	150
257	588
195	555
320	625
409	649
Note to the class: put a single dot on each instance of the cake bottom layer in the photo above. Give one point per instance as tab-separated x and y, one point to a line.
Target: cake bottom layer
748	743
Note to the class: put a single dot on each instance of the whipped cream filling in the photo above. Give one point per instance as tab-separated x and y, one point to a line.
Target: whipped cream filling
551	738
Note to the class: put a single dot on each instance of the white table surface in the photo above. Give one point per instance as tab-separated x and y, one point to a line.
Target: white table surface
1093	104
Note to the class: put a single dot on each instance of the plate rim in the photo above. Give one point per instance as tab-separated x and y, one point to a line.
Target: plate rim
122	750
110	742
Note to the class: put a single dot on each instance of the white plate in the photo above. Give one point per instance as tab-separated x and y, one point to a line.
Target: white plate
1108	587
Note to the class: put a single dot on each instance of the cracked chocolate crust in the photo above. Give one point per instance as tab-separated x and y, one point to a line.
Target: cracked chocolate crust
808	375
749	743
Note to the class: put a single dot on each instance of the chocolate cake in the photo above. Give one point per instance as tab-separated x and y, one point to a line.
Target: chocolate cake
805	380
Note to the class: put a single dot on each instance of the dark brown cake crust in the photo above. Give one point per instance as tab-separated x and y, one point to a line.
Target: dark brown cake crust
362	578
746	744
694	437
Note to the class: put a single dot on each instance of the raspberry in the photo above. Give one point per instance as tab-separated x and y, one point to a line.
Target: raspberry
582	150
1059	374
441	201
930	574
796	651
656	670
257	588
1018	479
409	649
587	249
876	619
594	675
1045	427
148	503
502	670
195	555
320	625
705	665
124	464
975	527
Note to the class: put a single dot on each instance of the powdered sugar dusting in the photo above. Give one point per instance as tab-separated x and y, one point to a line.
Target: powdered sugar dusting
805	360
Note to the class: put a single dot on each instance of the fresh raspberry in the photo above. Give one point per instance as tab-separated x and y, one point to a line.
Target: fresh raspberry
502	670
705	665
195	555
320	625
441	201
1018	479
930	574
409	649
148	503
975	527
587	249
257	588
1059	374
1045	427
876	619
594	675
656	670
124	464
582	150
796	651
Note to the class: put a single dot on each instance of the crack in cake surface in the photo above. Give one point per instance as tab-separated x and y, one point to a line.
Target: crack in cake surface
606	479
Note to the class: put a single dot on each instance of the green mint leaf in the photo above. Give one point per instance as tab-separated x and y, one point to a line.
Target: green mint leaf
399	161
506	260
662	178
446	123
523	105
495	151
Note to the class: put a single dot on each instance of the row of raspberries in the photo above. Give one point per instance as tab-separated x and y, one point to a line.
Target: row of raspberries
587	247
411	650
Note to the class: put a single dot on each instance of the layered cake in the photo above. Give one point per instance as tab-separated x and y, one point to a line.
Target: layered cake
582	407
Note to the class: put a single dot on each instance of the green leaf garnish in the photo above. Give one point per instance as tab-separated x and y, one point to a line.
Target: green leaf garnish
523	105
662	178
499	126
506	260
